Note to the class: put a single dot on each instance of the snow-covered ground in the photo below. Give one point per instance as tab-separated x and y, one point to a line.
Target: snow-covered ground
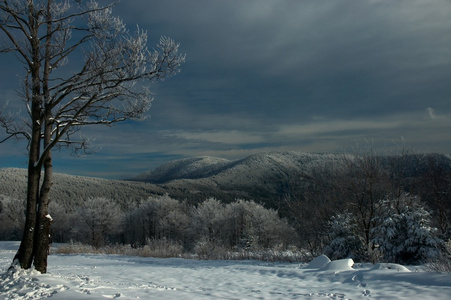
124	277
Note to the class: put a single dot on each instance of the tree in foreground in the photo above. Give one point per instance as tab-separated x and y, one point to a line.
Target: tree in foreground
82	67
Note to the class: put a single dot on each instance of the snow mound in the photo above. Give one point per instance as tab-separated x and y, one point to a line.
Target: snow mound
323	263
24	284
339	265
388	266
319	262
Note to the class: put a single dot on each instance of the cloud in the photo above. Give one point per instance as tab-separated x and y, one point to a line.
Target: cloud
233	137
287	75
431	113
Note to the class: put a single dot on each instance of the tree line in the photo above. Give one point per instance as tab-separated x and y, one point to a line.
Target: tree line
211	224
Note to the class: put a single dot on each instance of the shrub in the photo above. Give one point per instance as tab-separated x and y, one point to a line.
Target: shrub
162	248
210	250
442	263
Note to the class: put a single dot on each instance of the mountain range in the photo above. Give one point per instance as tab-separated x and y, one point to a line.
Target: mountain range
263	177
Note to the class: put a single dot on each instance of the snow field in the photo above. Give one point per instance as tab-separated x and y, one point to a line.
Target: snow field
123	277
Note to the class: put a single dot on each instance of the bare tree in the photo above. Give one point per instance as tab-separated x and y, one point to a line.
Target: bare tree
367	181
435	186
12	217
101	84
99	217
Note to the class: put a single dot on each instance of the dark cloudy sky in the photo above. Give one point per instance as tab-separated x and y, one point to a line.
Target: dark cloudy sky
271	75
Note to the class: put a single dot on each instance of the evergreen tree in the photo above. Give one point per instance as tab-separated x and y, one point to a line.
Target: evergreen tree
403	234
344	240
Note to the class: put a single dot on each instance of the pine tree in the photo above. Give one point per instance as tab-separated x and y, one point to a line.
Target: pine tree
403	234
344	240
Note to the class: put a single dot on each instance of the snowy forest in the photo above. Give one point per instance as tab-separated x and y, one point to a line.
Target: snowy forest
368	207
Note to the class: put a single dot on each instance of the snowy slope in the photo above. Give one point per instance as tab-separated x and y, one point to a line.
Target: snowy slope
121	277
262	177
194	167
69	190
253	166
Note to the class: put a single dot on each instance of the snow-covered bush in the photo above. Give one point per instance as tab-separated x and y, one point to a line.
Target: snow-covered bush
403	234
344	241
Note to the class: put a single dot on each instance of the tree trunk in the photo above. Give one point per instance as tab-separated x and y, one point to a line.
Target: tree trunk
43	221
42	233
26	252
24	256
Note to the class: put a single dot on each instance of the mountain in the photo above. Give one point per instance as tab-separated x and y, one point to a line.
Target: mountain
268	177
188	168
257	166
261	177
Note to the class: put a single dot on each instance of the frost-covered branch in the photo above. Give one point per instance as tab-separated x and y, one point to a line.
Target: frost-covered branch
82	67
11	127
110	85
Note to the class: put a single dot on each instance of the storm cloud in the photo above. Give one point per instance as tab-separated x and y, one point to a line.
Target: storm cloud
265	75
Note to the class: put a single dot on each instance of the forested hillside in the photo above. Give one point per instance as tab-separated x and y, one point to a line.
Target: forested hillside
343	205
69	190
263	177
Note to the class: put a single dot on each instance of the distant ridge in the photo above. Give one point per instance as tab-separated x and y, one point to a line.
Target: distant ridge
69	190
258	165
187	168
263	177
260	177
